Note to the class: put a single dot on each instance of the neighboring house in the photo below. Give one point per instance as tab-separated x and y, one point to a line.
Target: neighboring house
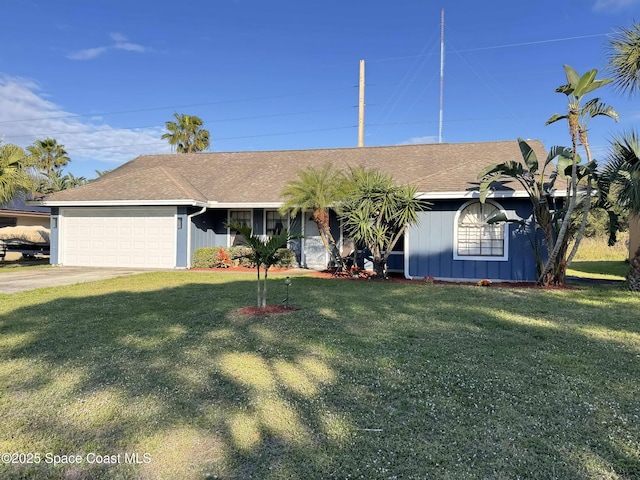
155	210
18	214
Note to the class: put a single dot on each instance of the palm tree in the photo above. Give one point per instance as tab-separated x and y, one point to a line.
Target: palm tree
530	173
14	172
624	59
264	253
317	189
376	213
186	134
578	116
622	173
621	178
48	155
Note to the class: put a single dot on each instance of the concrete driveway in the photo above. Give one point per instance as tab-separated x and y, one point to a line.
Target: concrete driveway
29	279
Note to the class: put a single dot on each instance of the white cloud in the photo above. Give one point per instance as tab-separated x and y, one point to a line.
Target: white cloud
121	43
87	53
26	116
420	140
613	5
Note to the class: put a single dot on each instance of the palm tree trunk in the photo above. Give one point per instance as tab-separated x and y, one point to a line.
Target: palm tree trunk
321	219
259	289
633	277
264	288
554	261
584	140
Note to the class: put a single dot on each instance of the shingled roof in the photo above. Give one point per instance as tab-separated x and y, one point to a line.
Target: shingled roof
259	177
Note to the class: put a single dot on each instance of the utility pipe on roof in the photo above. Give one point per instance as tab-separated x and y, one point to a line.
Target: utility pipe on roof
189	217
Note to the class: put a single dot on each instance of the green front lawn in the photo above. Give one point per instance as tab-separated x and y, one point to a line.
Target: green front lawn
602	269
367	380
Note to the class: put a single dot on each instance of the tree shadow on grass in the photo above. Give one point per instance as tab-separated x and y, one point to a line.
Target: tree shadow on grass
416	385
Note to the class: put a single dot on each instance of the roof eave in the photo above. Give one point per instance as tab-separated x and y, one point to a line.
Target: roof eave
476	194
121	203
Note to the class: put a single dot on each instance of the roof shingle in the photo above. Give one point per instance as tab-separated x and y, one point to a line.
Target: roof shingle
250	177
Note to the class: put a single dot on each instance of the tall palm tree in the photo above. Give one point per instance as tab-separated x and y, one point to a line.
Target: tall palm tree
622	174
48	155
317	189
578	116
186	134
621	178
624	59
14	172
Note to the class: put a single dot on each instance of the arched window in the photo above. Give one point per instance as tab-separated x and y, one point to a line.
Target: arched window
475	238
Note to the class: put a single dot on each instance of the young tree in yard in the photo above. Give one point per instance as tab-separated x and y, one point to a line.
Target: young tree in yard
578	116
186	134
317	189
264	253
15	177
376	213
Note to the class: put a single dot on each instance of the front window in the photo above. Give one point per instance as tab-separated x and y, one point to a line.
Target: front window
242	217
475	238
276	222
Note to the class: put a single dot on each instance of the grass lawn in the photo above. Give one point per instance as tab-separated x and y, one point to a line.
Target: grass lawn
367	380
596	259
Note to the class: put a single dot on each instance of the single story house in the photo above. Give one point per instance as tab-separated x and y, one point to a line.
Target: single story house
156	210
17	213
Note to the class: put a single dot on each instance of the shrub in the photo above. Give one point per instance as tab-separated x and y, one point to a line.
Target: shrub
220	257
204	257
240	257
286	258
223	259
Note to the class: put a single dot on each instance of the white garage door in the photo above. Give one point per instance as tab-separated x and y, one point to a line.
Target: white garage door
118	237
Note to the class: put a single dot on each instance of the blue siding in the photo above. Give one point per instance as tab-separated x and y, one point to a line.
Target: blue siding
54	241
181	240
208	229
431	247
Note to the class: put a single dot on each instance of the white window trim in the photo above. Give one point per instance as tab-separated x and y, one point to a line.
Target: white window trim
484	258
264	220
229	220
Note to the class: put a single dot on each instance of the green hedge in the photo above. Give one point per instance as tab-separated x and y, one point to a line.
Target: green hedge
219	257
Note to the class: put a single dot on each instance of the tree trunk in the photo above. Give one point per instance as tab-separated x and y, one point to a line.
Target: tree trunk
321	219
259	289
379	266
633	277
264	288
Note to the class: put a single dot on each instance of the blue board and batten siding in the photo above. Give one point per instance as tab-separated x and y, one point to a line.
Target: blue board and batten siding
430	247
209	229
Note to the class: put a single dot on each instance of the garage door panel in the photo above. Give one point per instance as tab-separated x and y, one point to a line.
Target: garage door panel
143	237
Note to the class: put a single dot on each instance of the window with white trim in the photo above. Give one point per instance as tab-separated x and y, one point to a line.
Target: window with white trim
475	238
275	222
242	217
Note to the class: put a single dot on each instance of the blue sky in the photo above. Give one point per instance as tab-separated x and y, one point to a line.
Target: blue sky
103	76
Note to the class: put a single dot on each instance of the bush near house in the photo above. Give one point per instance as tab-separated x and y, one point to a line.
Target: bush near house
219	257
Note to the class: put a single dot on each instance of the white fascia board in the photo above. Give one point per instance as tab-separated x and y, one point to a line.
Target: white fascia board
121	203
240	205
475	194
